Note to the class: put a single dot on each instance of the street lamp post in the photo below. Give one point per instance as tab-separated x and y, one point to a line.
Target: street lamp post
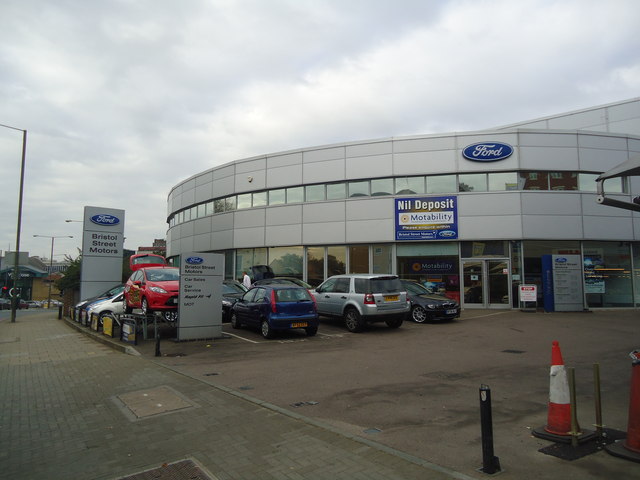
51	261
16	262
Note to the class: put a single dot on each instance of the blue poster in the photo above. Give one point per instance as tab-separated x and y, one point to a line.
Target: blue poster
429	218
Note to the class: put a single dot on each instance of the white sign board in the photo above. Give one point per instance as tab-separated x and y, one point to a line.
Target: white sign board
528	293
200	304
567	283
102	250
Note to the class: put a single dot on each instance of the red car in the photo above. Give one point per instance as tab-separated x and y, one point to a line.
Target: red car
144	260
153	289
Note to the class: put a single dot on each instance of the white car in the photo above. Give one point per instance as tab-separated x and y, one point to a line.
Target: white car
108	306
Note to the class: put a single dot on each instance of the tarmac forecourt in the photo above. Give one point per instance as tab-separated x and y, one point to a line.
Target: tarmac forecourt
410	393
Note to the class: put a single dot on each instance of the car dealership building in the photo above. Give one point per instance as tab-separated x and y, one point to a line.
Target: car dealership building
473	215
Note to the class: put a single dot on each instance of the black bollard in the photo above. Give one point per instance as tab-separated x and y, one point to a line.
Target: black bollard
490	463
158	343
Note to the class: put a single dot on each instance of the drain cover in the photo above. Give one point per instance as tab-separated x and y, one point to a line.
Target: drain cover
146	403
183	470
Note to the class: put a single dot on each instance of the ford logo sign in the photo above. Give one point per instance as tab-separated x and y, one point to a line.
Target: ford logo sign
447	234
194	260
105	219
561	260
487	151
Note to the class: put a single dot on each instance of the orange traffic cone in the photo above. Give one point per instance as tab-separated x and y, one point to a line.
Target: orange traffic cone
630	447
558	427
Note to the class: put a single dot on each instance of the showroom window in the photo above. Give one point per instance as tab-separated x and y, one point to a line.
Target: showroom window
442	184
410	186
229	204
607	274
359	259
472	182
382	186
336	191
277	197
533	181
315	266
336	261
359	189
260	199
314	193
244	201
286	261
563	181
382	256
636	273
295	195
503	181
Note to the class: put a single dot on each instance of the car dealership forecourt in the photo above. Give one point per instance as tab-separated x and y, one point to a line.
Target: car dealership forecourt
472	215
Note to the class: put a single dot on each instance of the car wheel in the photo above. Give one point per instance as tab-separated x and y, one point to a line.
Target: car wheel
144	306
101	317
353	320
267	331
235	321
419	314
171	316
394	322
311	331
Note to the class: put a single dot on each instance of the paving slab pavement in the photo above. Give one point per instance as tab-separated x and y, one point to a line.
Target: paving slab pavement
74	408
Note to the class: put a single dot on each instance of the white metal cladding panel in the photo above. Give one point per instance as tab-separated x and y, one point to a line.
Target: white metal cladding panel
206	177
543	203
608	228
222	221
324	212
223	187
603	142
204	192
186	244
325	171
601	160
371	209
187	229
189	184
369	149
424	144
202	243
463	141
631	126
624	111
323	154
224	171
248	237
549	158
173	247
634	145
324	233
248	166
550	227
277	235
222	240
284	176
489	204
370	167
489	227
202	225
188	198
364	231
425	163
284	215
249	218
591	207
284	160
578	120
547	139
250	181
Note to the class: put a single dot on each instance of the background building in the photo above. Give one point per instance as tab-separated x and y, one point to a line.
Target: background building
471	214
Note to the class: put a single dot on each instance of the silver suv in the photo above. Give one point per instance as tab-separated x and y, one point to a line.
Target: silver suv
362	299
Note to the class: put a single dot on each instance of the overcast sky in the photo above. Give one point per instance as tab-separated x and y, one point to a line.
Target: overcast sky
124	99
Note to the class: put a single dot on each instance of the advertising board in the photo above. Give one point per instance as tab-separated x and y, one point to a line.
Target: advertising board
427	218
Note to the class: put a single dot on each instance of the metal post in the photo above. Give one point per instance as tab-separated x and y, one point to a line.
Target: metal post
157	331
490	463
598	399
575	429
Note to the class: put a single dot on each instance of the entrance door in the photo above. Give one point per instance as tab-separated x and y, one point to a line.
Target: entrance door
486	283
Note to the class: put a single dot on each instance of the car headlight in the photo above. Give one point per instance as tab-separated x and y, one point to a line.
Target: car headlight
227	303
431	306
158	289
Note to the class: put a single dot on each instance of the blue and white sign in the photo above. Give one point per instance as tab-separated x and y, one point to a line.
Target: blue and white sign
428	218
487	151
195	260
105	219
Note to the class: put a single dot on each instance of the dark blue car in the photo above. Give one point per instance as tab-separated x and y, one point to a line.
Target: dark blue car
276	307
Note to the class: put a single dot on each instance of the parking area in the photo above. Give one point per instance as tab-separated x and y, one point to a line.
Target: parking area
416	388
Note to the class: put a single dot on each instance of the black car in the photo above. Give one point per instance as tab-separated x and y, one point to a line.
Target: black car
283	280
231	292
427	306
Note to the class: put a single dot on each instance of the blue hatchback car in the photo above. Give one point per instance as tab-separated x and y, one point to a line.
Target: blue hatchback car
276	307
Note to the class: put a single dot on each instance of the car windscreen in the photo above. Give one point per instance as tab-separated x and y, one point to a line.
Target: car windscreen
415	288
232	288
378	285
162	274
293	295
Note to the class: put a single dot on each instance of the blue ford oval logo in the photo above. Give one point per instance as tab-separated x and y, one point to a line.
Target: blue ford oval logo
487	151
194	260
561	260
447	234
105	219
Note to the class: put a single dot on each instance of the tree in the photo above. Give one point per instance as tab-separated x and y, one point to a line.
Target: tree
71	278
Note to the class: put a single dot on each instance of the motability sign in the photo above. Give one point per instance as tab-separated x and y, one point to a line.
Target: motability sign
430	218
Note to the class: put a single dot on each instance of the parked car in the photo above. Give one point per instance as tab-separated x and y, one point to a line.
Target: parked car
232	290
108	306
34	304
363	298
283	280
276	307
5	304
143	260
427	306
80	308
153	289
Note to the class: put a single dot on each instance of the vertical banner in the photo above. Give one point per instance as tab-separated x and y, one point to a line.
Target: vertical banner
102	250
430	218
200	306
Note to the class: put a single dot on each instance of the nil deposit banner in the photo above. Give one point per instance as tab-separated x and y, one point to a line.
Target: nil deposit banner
428	218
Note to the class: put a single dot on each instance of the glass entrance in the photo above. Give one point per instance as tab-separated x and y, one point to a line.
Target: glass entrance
486	283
